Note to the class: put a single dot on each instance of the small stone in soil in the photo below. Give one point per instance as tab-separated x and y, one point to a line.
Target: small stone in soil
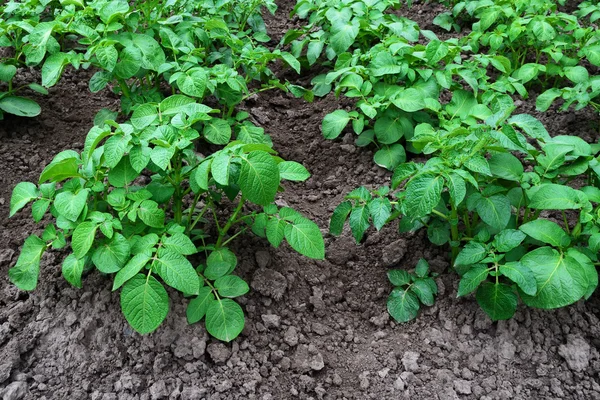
409	360
218	352
291	336
576	352
14	391
263	258
269	282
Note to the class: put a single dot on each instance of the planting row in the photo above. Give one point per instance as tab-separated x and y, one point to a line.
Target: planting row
146	194
518	208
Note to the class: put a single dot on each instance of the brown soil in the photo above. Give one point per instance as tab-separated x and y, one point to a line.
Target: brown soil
315	330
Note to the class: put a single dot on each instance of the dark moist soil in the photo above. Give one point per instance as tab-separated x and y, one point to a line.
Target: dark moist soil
315	330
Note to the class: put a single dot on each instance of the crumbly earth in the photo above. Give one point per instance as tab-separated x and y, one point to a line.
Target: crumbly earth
315	329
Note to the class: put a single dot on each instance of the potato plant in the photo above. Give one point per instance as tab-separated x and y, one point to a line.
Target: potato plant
140	202
120	222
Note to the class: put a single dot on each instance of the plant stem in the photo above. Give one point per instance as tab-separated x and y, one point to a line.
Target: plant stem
566	222
230	223
454	231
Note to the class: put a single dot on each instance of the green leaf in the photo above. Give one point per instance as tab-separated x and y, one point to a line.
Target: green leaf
72	269
176	271
339	217
543	30
220	168
531	126
39	208
592	53
114	149
390	157
423	193
508	239
180	243
275	231
99	81
472	253
152	53
144	302
461	105
389	130
22	194
161	156
305	237
111	256
20	106
423	291
26	271
561	279
497	300
107	57
472	279
577	74
197	307
334	123
409	100
7	72
201	176
53	68
398	277
403	305
521	275
259	177
123	174
291	61
129	63
70	205
131	269
589	269
478	164
343	34
456	187
151	214
293	171
545	100
83	238
139	156
555	197
401	173
359	222
144	115
60	170
220	262
193	82
546	231
506	166
217	131
380	210
231	286
175	104
422	268
224	319
494	210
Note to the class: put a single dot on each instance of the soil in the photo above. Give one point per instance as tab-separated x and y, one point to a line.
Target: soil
315	330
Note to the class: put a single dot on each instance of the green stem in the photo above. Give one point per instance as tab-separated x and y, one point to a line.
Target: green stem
124	88
439	214
241	231
454	232
230	223
566	222
210	285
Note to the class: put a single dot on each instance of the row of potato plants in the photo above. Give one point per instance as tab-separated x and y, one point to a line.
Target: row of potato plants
149	200
518	208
